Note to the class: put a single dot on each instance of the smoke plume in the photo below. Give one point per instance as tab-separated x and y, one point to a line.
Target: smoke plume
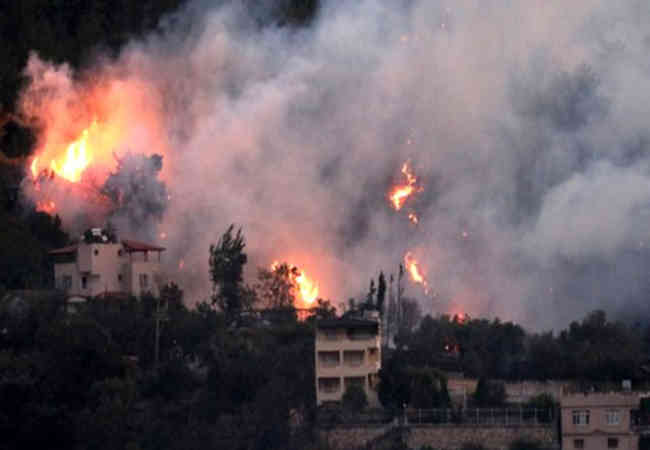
525	121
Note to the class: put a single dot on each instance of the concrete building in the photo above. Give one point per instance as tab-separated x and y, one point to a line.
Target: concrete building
599	420
348	352
89	269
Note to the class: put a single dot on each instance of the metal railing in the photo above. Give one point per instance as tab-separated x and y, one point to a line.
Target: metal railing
481	416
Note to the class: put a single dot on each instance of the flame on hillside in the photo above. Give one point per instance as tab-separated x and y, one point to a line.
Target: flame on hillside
94	144
307	288
413	268
399	194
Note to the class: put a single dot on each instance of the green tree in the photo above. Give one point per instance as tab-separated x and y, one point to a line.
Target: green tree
489	393
381	293
394	383
227	261
370	296
275	288
428	389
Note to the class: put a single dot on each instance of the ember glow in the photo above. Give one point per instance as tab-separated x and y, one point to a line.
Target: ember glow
46	207
307	287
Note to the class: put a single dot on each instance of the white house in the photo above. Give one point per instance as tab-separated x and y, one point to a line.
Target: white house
89	269
348	352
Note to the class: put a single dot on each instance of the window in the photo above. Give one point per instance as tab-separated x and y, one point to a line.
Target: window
96	252
144	281
119	277
612	417
328	359
359	334
581	417
329	385
84	282
612	442
353	358
119	253
64	283
330	335
578	443
354	381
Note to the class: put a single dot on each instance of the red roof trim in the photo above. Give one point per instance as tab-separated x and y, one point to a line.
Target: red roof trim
135	246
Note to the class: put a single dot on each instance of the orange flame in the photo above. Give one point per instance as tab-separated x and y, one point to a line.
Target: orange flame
307	287
413	268
402	192
75	160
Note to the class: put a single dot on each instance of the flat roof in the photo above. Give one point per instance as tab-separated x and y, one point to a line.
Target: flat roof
347	323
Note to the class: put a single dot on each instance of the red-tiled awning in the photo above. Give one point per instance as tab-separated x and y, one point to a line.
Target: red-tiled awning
135	246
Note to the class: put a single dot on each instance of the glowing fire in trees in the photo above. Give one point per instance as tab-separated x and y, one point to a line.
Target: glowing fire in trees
402	192
307	287
413	268
72	160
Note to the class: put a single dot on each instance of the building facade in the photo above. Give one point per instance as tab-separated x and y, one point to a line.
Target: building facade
599	420
348	352
98	268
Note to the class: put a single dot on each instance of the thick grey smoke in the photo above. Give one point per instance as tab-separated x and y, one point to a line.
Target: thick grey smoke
525	121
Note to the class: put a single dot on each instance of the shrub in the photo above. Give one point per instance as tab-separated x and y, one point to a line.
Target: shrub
354	399
489	393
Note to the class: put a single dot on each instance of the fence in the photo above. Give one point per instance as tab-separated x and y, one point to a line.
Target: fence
481	416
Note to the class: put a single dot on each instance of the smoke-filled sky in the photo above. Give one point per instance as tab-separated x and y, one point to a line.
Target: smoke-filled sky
524	121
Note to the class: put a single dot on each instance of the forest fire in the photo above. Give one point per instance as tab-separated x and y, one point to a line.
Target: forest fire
307	287
400	193
84	127
413	268
70	161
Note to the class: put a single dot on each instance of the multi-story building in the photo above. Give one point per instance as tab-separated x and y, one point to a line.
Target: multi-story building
348	352
89	269
599	420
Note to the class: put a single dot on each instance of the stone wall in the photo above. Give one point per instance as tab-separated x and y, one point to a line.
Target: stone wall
443	437
451	437
352	437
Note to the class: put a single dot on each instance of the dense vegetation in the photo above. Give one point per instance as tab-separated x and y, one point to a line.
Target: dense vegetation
594	349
